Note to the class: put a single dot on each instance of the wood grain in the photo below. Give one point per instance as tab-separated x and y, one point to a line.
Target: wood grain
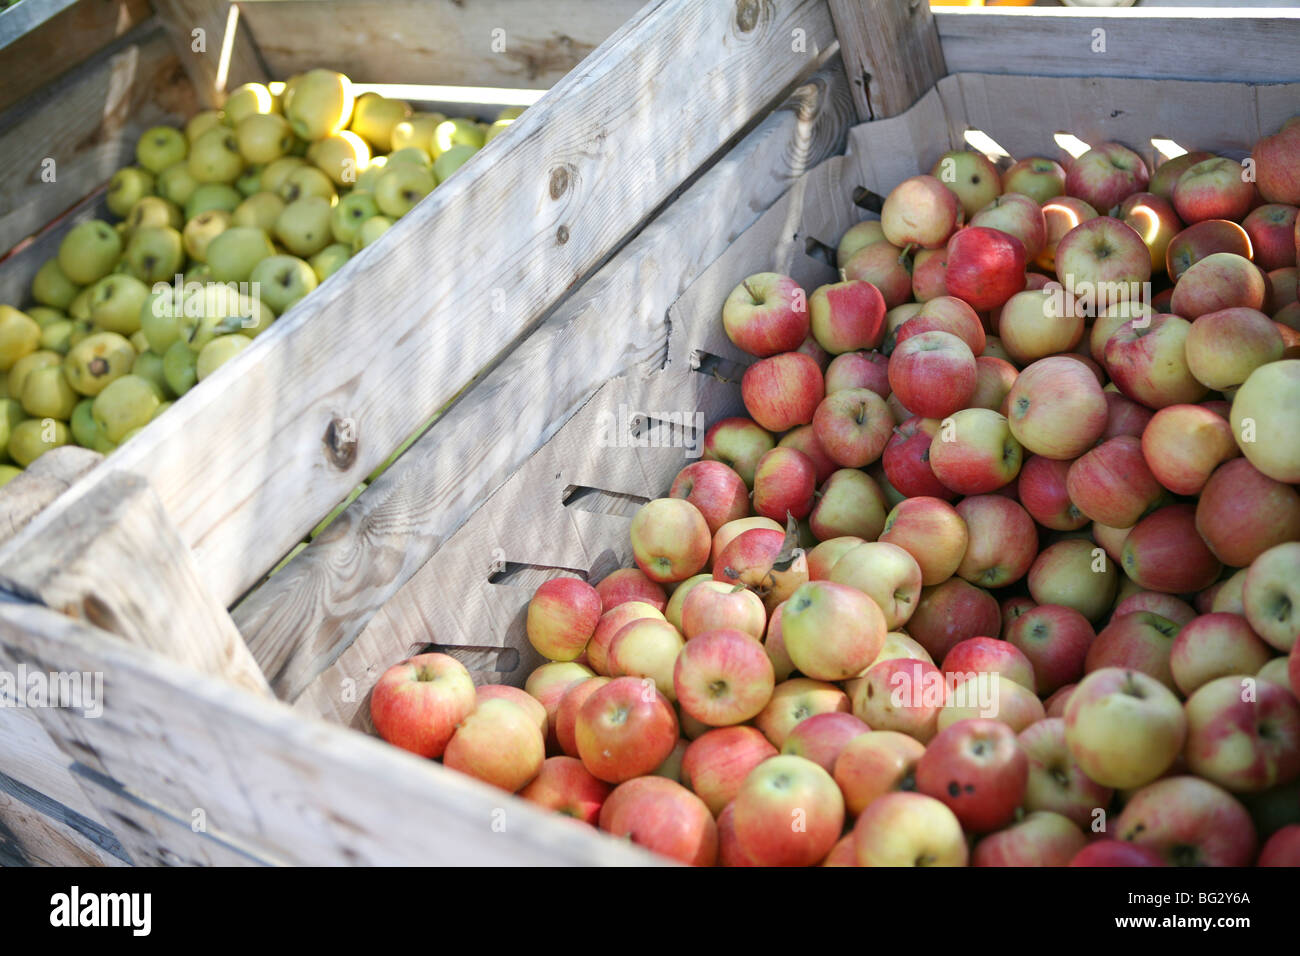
284	788
88	123
494	43
65	40
891	52
116	561
27	494
303	618
261	449
228	56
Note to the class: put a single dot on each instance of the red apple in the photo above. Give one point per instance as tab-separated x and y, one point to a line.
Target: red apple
933	374
988	655
498	743
1061	215
1221	280
1003	541
738	443
670	539
1056	783
1277	167
1242	513
564	786
1167	173
903	695
909	829
766	314
858	370
975	452
1112	484
1117	853
919	211
930	274
548	684
566	713
1140	641
944	314
1123	728
804	439
723	677
849	503
1074	573
629	584
785	482
978	770
906	460
665	818
847	316
1056	408
520	698
782	391
1189	822
932	532
994	378
1183	444
611	622
417	704
764	562
832	631
873	764
1244	738
719	493
1017	215
562	616
853	425
1166	605
1055	640
796	700
1146	359
1214	188
788	812
822	737
1042	491
715	605
1204	239
985	267
950	613
1106	175
885	266
1101	262
625	729
1213	646
885	573
1040	839
1282	848
1164	552
1125	416
1271	228
1155	220
1038	178
717	763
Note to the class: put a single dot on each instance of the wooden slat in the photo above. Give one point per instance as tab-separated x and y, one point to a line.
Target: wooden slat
228	56
1248	46
494	43
30	836
303	618
117	562
27	494
68	36
891	52
288	789
88	123
260	450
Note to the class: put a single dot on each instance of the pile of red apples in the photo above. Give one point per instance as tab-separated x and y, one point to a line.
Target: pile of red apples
1001	568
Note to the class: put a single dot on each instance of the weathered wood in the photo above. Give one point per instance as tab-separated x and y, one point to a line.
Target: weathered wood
1248	46
891	52
27	494
494	43
101	109
215	46
257	452
290	790
41	831
36	51
114	560
303	618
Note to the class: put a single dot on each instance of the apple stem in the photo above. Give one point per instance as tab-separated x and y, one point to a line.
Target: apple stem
757	299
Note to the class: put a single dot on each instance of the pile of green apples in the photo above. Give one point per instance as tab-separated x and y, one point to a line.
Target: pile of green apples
219	228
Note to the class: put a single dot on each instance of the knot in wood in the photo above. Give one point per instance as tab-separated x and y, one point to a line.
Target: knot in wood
341	442
748	13
559	181
562	235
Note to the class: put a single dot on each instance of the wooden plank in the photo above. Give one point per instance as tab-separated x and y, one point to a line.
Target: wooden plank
260	450
115	560
1248	46
494	43
539	524
214	45
44	832
101	109
41	40
289	789
27	494
891	52
304	617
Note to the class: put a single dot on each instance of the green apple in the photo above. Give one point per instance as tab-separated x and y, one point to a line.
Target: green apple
41	358
352	210
233	254
19	336
496	129
306	182
330	260
8	473
199	272
370	230
280	281
319	104
47	394
11	414
417	132
263	137
456	132
249	181
85	432
161	147
374	116
215	157
81	330
50	286
275	173
160	317
180	368
33	437
175	184
509	113
149	366
261	210
128	185
115	303
411	154
79	307
44	315
251	99
211	196
138	342
200	123
96	360
57	336
342	157
202	229
89	251
401	187
155	253
153	211
218	352
125	404
366	181
450	161
304	226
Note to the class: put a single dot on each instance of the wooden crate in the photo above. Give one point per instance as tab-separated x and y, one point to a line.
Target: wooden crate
220	738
